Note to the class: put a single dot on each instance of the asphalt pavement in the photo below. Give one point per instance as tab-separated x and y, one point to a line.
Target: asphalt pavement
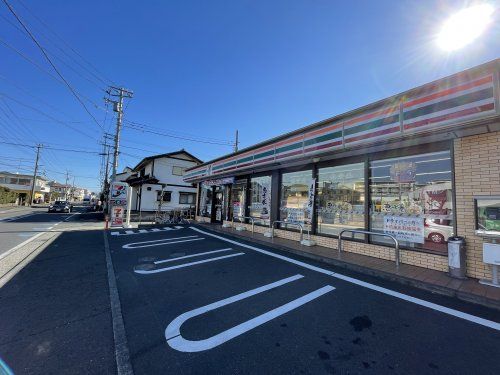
195	302
55	314
20	226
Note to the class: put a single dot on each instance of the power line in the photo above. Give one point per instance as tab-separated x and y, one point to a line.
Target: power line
144	130
46	115
179	134
51	63
52	148
69	46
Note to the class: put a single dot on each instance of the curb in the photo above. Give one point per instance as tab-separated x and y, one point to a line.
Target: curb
464	296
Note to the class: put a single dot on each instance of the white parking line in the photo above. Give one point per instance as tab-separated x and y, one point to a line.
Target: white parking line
192	256
418	301
176	341
145	272
163	241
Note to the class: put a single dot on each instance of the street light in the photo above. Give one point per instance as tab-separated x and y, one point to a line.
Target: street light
465	26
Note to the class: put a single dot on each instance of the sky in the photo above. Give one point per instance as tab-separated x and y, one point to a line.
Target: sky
200	70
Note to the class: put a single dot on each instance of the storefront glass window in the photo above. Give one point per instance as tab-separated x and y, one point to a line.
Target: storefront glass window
340	198
260	199
238	196
206	200
411	198
295	198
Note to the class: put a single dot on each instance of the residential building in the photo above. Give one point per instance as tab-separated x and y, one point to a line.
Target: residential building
59	191
422	165
157	182
22	184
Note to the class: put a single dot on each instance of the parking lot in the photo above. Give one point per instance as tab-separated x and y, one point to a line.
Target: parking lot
195	302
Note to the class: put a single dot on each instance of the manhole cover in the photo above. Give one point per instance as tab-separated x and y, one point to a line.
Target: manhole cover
176	255
145	267
147	259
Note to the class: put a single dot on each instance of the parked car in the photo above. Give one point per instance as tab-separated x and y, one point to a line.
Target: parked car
61	206
436	231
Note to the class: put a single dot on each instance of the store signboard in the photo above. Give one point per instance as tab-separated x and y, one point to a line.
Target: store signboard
410	229
118	194
117	216
219	181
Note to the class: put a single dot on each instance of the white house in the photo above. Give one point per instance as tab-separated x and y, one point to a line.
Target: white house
22	183
157	182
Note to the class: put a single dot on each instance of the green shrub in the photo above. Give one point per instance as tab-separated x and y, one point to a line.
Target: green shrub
7	196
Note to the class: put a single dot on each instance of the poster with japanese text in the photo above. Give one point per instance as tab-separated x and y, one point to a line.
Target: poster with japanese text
410	229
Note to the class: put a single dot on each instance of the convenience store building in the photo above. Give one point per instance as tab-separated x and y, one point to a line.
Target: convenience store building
410	165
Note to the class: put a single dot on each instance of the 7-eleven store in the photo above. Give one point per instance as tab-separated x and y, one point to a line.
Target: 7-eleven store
409	164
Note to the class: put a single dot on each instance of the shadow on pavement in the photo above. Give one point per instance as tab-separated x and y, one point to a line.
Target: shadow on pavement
55	313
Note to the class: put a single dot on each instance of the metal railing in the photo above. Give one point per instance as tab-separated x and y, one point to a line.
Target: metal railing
396	242
301	227
241	218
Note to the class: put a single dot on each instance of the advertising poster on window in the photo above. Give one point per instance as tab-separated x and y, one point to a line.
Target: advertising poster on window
265	201
410	229
117	216
403	172
310	198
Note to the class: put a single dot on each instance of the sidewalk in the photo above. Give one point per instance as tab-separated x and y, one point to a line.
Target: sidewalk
468	290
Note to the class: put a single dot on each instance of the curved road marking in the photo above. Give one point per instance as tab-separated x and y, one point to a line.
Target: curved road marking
177	342
144	272
405	297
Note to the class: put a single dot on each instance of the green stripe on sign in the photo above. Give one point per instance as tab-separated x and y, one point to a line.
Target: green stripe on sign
289	147
323	138
264	154
244	160
450	103
372	125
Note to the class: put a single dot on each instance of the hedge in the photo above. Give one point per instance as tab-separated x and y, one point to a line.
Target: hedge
7	196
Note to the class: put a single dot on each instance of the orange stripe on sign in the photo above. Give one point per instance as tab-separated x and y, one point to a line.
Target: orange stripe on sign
385	111
450	91
323	130
288	141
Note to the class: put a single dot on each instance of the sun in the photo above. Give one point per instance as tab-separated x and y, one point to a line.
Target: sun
464	26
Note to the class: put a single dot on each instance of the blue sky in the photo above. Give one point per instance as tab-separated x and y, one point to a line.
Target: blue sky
203	69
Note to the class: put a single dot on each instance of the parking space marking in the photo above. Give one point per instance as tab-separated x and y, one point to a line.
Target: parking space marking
446	310
163	241
143	231
147	272
191	256
177	342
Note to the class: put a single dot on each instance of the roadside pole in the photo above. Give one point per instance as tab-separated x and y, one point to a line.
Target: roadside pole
32	193
129	206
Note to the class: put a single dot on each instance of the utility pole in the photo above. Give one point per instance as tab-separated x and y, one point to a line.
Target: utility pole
236	142
73	189
66	187
32	193
120	93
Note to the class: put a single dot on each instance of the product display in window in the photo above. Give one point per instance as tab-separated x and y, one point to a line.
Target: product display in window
260	199
411	198
206	200
340	198
295	197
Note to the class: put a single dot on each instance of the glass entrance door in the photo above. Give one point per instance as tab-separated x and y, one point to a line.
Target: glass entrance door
218	204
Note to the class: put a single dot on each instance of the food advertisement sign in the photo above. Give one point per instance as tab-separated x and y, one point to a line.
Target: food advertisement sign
410	229
117	216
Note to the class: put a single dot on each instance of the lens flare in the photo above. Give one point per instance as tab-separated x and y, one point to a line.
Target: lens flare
464	27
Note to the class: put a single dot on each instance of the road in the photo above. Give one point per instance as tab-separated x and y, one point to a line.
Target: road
18	226
194	302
